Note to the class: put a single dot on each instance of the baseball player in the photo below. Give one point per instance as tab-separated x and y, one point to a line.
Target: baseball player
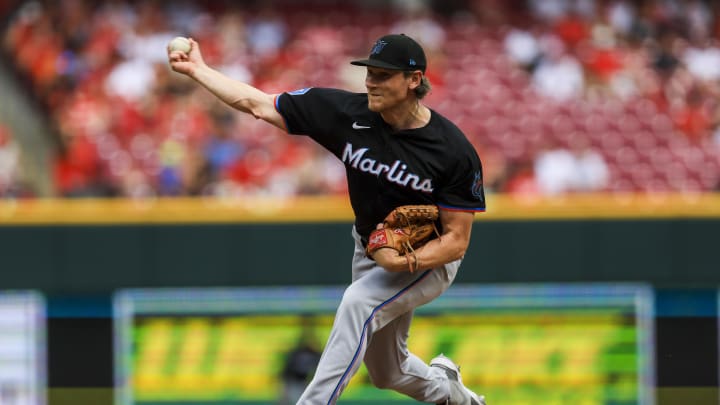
396	152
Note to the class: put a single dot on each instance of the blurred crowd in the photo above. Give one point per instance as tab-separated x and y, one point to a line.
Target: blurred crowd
558	96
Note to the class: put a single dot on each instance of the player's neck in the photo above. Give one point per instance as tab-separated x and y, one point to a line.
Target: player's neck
409	115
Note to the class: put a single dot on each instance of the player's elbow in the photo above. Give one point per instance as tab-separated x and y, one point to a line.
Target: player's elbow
257	104
457	254
265	110
457	248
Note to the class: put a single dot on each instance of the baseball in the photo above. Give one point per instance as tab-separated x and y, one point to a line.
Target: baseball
179	44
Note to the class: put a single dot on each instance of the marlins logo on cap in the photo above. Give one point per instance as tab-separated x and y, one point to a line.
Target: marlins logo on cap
379	45
397	52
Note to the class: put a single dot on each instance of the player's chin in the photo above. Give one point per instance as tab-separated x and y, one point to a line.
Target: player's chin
375	105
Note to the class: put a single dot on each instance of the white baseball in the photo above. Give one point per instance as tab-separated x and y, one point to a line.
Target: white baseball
179	44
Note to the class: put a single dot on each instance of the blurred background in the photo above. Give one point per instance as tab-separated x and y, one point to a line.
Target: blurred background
597	121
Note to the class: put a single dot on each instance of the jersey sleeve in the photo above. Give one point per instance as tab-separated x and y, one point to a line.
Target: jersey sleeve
308	111
464	189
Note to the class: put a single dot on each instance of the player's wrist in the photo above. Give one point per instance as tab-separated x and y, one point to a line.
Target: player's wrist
393	261
389	259
200	72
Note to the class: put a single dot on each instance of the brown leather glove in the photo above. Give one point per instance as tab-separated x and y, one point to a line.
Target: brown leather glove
405	229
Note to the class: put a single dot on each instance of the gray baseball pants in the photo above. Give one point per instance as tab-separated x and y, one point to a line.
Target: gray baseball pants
371	325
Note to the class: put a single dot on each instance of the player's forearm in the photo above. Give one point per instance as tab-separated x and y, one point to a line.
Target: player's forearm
236	94
437	252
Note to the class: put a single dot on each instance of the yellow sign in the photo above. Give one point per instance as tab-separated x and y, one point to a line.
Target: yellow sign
337	209
563	356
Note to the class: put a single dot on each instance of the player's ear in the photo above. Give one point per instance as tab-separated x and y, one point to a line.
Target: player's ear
415	79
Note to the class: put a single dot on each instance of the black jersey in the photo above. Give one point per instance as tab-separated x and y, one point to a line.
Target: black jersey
435	164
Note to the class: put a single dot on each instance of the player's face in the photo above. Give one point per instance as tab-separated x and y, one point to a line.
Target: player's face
386	88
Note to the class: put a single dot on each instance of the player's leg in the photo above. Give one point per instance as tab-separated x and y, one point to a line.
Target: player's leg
358	316
391	366
375	298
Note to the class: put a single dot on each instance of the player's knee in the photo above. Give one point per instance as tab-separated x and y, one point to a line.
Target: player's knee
381	372
382	384
382	380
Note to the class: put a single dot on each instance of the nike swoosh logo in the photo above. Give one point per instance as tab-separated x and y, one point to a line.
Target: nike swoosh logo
357	126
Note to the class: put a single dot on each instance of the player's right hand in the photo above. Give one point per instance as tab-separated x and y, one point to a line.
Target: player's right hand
186	63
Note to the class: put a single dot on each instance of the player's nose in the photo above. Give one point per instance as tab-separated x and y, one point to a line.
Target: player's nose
370	82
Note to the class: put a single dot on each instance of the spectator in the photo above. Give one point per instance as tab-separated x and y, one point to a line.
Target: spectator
221	149
560	170
572	28
559	74
266	32
694	117
554	169
699	18
591	169
522	47
604	57
703	60
417	21
521	180
549	10
621	15
131	79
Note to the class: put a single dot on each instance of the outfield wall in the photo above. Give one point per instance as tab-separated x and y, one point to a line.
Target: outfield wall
88	246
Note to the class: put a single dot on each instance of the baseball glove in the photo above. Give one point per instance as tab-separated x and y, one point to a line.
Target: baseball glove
405	229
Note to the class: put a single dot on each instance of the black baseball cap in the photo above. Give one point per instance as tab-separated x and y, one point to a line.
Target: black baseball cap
395	51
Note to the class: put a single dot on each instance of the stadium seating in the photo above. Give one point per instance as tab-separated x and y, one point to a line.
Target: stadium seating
165	138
